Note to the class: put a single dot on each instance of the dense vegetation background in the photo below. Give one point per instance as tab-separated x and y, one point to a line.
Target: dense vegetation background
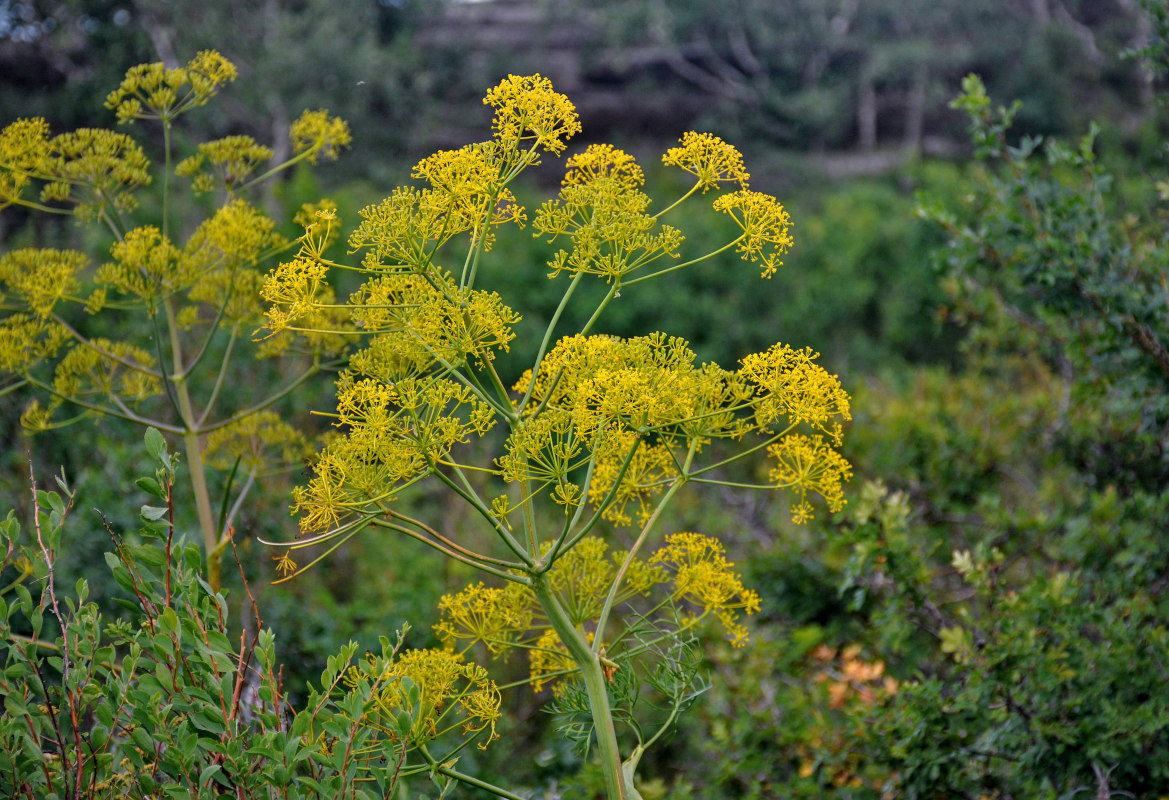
987	617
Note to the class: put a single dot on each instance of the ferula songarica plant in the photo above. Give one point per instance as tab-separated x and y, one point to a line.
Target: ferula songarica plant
179	283
599	434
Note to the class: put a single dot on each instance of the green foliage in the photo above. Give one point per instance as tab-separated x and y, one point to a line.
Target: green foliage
161	703
1019	580
1040	261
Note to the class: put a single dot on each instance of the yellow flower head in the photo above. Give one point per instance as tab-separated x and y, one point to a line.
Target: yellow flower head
23	147
395	434
232	159
319	135
91	167
26	339
219	260
583	577
527	110
603	162
703	576
708	158
151	91
789	385
766	227
41	276
207	71
644	380
468	183
294	288
808	463
432	320
104	368
257	440
402	232
495	617
285	565
36	418
604	214
321	224
145	264
545	449
431	689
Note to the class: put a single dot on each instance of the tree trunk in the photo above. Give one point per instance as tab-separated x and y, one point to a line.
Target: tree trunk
866	116
915	109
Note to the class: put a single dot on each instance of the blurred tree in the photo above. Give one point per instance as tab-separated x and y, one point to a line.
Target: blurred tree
58	58
842	74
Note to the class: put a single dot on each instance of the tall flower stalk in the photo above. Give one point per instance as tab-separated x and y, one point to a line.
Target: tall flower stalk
600	432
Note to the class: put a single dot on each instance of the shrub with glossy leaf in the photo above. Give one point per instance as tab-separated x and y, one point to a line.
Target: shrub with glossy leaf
167	702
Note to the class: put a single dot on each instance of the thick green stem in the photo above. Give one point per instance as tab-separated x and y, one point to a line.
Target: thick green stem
211	540
593	676
679	482
194	449
166	189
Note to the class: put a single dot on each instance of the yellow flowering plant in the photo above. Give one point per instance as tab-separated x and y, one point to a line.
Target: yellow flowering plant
196	284
599	434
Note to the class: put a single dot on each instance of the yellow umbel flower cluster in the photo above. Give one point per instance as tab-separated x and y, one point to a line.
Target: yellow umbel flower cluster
628	403
697	582
151	91
703	578
789	385
101	368
807	463
92	169
317	134
603	162
146	264
27	339
606	216
420	695
41	277
527	109
23	148
258	440
708	158
397	434
231	160
766	227
494	616
467	183
221	259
